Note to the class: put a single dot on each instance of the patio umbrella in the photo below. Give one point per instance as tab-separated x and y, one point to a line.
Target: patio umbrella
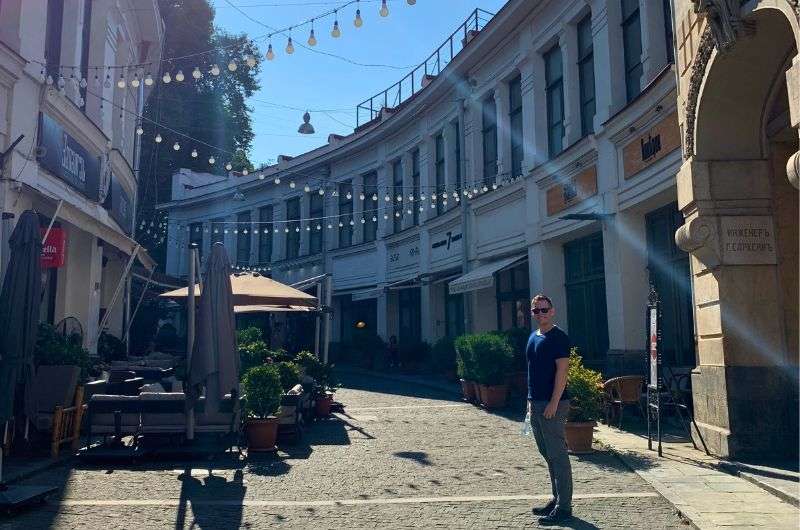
20	298
215	361
254	289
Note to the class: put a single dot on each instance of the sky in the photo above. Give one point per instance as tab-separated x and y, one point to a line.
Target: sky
329	87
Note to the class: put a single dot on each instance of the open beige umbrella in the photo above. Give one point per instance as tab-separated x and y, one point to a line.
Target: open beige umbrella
252	289
239	309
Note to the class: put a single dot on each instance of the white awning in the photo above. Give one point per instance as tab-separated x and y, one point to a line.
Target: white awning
483	276
367	294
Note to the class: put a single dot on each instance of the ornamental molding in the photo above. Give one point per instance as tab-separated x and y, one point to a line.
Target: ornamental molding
724	18
704	51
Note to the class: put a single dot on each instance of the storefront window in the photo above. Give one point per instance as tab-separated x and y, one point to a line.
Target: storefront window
454	314
513	298
410	309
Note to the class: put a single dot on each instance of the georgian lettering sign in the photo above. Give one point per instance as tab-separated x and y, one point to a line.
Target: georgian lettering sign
68	160
573	191
747	240
403	255
656	143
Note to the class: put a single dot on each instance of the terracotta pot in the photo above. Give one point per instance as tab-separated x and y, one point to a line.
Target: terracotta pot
323	404
261	434
494	396
468	390
476	392
579	436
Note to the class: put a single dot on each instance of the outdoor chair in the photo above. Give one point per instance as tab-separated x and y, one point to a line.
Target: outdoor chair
59	405
163	412
290	418
619	392
113	415
226	422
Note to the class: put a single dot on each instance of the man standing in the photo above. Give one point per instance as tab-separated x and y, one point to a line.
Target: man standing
548	402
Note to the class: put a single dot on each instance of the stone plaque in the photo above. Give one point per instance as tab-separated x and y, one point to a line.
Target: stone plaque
747	240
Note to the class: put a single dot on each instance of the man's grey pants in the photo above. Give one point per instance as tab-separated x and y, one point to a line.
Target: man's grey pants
549	435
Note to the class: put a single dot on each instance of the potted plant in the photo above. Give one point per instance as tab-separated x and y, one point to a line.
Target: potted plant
324	379
518	377
262	390
585	392
465	367
443	358
493	357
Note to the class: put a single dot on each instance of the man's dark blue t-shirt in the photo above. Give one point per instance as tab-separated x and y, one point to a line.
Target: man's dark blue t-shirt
542	352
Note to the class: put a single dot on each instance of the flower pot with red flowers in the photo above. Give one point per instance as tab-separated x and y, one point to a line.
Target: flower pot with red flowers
585	404
262	389
492	356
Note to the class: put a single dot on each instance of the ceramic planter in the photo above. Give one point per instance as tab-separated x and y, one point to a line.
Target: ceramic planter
323	404
579	436
493	396
261	434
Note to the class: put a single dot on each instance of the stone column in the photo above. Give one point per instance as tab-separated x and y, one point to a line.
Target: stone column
95	275
609	60
473	142
568	41
503	130
654	42
385	220
410	198
427	176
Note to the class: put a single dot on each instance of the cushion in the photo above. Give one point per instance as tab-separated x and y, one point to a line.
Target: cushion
163	411
102	407
152	387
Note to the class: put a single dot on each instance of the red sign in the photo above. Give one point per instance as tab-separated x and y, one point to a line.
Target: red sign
53	248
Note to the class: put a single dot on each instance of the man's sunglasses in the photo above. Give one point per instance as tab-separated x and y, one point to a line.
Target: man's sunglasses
543	310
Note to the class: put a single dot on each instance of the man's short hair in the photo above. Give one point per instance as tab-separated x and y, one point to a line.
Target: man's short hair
542	298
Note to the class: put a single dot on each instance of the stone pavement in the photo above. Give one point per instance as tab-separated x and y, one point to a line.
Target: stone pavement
402	455
697	485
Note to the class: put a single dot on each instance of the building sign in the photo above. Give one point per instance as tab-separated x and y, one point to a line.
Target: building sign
68	160
747	240
52	256
656	143
403	255
573	191
118	204
446	245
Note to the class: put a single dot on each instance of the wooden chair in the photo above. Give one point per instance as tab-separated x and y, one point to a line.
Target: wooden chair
59	405
621	391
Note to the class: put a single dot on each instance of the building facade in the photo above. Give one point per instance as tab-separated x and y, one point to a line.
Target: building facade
739	111
588	150
76	161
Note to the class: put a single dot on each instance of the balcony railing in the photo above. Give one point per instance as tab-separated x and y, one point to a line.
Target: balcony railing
420	76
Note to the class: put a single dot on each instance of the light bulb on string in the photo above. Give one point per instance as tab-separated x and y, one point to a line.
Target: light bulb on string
214	70
135	82
374	197
158	138
384	12
289	46
176	146
120	83
245	172
194	153
336	32
250	60
306	188
330	226
319	227
341	224
270	53
312	39
196	73
374	218
297	229
167	78
179	77
211	160
83	84
361	196
358	21
385	216
232	66
262	176
148	80
321	191
387	198
291	184
139	130
228	166
349	195
277	180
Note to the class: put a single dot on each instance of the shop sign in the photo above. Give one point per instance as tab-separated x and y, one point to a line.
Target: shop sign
446	245
118	204
403	255
656	143
747	240
573	191
52	256
64	157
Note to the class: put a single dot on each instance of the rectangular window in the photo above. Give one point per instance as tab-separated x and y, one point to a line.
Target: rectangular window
668	35
265	229
370	207
489	134
457	153
515	123
345	214
440	178
586	74
217	231
317	212
632	45
513	298
293	236
397	191
52	44
415	185
196	238
243	238
555	101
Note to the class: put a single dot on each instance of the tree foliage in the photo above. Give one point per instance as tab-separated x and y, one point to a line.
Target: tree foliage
212	110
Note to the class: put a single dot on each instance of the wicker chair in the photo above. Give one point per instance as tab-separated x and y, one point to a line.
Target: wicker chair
621	391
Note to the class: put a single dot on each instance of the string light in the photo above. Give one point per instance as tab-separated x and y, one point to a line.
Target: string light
251	61
176	146
194	153
228	166
215	70
139	130
211	160
158	138
270	53
312	40
289	46
277	180
358	21
167	78
336	32
148	81
384	9
179	77
232	66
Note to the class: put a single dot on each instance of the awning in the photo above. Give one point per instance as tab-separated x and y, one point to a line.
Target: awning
408	283
367	294
483	276
239	309
254	289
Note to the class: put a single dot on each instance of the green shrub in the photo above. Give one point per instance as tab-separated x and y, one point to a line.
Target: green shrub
262	391
443	355
110	348
584	390
53	349
252	354
290	374
492	357
465	359
518	338
248	335
323	374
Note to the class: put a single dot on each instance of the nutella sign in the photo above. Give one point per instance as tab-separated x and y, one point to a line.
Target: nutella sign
52	256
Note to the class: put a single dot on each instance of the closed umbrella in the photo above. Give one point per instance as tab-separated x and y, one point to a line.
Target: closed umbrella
215	362
20	298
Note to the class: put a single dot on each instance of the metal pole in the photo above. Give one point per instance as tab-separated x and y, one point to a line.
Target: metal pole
318	319
120	284
190	333
328	295
52	220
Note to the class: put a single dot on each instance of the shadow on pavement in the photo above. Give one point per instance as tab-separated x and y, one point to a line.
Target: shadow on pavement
420	457
385	384
576	523
198	492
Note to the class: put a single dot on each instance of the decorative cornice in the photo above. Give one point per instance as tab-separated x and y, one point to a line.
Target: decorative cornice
724	18
704	51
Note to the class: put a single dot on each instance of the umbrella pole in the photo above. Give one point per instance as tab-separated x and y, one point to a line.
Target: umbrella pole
2	451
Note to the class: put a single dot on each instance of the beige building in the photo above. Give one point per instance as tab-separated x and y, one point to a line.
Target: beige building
739	111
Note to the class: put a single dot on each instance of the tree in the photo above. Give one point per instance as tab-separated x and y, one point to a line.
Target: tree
212	110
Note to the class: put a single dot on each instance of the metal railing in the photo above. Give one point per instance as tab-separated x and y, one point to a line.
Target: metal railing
412	83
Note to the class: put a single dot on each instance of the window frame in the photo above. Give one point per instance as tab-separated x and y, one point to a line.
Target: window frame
293	223
515	125
489	131
244	239
370	229
629	20
554	86
265	228
397	191
316	238
345	209
439	169
586	75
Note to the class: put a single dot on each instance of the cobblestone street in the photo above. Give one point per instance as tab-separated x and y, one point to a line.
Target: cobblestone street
400	456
